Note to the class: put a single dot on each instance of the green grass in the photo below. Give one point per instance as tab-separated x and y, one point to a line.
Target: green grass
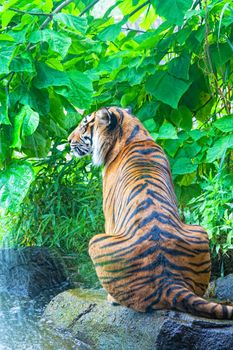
63	210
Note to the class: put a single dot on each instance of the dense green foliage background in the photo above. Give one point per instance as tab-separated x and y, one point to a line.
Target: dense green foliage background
171	61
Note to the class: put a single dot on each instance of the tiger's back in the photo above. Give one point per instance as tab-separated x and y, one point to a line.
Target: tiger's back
149	247
148	258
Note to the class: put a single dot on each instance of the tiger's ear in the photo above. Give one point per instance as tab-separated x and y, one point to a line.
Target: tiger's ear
104	116
107	118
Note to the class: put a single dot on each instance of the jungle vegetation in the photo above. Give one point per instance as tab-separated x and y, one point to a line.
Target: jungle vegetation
171	61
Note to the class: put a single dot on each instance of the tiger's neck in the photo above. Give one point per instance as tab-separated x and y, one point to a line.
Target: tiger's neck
138	163
135	133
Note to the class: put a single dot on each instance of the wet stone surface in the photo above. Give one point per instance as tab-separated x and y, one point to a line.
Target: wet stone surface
101	326
30	271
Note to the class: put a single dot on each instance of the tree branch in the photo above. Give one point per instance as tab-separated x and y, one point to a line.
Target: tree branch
60	7
88	7
134	30
30	12
139	8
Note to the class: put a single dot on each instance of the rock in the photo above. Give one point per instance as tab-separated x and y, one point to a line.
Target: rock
224	288
101	326
30	271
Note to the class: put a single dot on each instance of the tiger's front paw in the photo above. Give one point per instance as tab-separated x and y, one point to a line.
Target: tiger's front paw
112	300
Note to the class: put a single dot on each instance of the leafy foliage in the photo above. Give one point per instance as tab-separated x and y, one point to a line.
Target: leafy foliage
62	210
213	210
171	61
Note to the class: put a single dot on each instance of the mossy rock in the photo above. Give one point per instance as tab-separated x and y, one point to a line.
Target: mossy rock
101	326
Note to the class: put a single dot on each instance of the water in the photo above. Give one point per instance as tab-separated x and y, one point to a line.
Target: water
29	278
21	327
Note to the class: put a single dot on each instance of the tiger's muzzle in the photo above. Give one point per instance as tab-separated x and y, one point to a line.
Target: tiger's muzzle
79	150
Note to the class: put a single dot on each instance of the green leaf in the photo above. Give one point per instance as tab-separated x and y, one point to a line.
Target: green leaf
166	88
7	17
172	10
38	100
176	117
108	64
37	145
6	37
6	54
151	38
183	34
191	150
4	108
4	145
149	19
187	179
111	32
179	67
30	122
182	117
225	123
18	122
25	124
57	41
74	22
148	110
47	76
8	4
128	98
197	134
20	64
133	76
66	120
80	89
14	184
72	120
19	35
186	118
183	166
219	147
220	53
167	131
171	146
150	125
47	5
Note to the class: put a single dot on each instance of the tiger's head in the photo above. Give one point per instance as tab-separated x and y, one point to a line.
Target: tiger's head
104	132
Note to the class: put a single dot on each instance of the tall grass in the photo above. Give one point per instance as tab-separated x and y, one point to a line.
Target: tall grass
63	209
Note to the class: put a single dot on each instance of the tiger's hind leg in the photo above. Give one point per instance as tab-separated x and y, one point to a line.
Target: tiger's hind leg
111	268
102	248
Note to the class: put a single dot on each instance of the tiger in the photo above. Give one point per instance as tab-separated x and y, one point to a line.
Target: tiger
147	259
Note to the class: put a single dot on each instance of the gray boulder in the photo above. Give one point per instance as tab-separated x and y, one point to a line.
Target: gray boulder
30	271
101	326
224	287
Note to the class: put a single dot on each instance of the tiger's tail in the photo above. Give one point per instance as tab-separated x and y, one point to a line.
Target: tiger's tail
183	299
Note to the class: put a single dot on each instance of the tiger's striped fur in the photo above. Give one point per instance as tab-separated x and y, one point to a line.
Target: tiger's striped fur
148	258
